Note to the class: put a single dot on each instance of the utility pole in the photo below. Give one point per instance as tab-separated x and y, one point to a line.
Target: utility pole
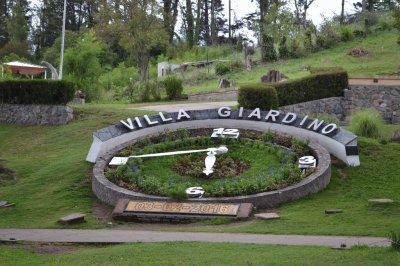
229	25
62	41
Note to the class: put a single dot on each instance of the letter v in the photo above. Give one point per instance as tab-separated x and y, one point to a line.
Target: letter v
128	124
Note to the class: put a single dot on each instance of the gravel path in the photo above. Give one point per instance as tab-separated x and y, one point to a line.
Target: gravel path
131	236
170	108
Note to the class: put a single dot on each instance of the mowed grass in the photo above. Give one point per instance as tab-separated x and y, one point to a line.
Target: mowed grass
180	253
54	180
349	190
384	58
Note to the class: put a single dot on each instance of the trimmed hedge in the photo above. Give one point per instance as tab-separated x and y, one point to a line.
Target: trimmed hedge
36	92
262	96
313	87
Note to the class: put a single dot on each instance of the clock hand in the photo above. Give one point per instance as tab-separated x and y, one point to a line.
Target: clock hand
166	153
123	160
219	150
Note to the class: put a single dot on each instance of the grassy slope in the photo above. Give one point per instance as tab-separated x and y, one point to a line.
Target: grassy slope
384	58
53	181
53	177
205	254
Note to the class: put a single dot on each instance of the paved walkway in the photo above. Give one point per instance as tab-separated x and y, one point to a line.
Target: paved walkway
170	108
131	236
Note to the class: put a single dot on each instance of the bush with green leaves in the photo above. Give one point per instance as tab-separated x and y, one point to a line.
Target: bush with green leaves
82	65
143	91
313	87
367	123
283	49
328	36
222	68
173	87
258	95
395	240
269	53
36	92
346	34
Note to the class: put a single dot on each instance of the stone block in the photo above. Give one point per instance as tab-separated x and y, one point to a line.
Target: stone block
383	201
72	218
267	216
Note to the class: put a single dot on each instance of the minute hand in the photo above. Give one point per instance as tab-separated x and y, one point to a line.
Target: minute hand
166	153
217	150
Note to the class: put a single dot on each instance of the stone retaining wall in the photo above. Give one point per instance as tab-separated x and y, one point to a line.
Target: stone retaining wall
385	99
35	114
333	106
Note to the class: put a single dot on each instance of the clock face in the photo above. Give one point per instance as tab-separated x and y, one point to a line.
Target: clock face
209	160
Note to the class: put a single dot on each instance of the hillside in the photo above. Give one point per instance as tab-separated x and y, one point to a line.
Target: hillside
383	59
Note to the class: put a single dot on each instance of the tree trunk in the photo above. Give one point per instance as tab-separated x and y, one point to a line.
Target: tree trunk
198	22
190	24
206	23
213	26
342	14
143	60
264	6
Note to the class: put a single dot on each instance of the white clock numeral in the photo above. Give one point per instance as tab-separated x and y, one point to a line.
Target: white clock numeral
225	133
307	162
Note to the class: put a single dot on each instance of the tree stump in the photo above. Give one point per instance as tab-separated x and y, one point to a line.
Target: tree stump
272	76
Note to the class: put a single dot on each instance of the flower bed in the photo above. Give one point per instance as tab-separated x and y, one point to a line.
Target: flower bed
253	164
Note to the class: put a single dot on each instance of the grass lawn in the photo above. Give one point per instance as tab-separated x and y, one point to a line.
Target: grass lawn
53	180
384	58
204	254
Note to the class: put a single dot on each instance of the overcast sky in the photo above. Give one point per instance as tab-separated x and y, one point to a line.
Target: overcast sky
319	8
326	7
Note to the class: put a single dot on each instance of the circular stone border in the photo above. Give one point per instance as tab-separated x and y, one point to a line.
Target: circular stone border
110	193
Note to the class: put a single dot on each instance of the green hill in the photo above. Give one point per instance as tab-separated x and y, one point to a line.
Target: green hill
383	59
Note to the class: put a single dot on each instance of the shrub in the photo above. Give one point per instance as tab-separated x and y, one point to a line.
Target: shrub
346	34
283	49
295	51
395	240
222	68
258	95
269	49
313	87
36	92
367	123
328	38
173	87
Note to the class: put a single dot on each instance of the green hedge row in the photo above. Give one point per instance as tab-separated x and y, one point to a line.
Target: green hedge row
36	92
313	87
262	96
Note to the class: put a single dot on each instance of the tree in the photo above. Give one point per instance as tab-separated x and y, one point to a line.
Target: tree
82	64
143	30
301	11
342	13
17	24
189	24
170	15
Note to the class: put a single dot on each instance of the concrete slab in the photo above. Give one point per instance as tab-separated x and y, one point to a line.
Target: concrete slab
130	236
267	216
380	201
